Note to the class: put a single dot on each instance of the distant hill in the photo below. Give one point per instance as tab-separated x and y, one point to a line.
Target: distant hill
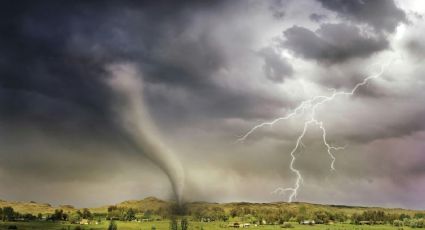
149	203
153	203
34	207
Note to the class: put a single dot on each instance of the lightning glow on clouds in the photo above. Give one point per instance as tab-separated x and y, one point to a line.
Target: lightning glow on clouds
311	105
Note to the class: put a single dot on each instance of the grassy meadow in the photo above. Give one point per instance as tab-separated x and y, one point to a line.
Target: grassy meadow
164	225
155	214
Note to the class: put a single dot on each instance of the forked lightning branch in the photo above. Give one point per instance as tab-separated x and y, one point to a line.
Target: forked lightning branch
309	107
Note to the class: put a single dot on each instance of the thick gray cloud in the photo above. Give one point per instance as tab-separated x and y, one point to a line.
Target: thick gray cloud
209	71
381	15
317	17
332	43
275	67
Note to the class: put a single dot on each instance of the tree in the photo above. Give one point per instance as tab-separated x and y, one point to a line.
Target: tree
218	213
285	216
340	217
74	217
398	223
8	213
321	217
419	215
420	223
173	224
356	218
112	225
302	213
147	214
58	215
29	216
404	216
197	213
112	208
113	213
130	214
86	214
184	224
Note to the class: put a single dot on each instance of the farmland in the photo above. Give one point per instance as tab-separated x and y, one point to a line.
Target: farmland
164	225
152	213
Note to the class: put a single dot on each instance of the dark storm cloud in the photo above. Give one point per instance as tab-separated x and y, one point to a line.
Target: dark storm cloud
275	66
317	17
277	8
53	58
53	71
332	43
381	15
209	69
59	51
41	80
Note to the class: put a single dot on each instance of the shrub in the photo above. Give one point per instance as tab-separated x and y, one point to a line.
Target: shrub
420	223
398	223
78	228
406	222
12	227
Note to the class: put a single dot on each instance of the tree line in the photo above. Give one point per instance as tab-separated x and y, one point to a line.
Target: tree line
254	214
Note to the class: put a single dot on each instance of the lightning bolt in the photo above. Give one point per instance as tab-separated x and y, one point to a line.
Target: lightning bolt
311	105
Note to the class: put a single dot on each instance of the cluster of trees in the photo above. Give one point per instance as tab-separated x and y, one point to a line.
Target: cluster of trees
270	215
9	214
370	217
417	221
184	224
413	223
60	215
245	213
209	214
380	217
120	213
275	215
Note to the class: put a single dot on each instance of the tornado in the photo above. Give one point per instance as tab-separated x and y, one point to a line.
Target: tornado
133	116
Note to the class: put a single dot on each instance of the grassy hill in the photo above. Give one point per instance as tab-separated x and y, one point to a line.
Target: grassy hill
34	207
152	203
294	206
149	203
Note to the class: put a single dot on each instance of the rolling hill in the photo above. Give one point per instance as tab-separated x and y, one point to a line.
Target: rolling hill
152	203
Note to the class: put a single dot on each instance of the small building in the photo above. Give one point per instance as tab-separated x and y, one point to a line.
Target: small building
307	222
206	219
239	225
235	225
84	221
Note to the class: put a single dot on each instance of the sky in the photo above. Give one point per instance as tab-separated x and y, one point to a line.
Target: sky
102	102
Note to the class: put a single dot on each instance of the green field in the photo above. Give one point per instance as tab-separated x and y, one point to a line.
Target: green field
164	225
157	213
